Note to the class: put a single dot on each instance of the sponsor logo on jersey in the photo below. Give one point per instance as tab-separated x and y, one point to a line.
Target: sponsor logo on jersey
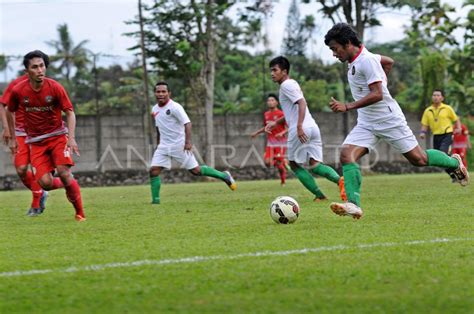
48	99
26	100
39	109
168	112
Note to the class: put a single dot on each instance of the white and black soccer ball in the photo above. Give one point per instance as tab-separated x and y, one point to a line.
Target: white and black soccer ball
284	210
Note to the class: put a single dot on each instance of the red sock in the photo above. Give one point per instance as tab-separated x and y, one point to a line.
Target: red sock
37	193
57	183
282	171
73	193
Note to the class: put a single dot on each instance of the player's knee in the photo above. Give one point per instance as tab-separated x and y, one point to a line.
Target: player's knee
46	183
154	171
268	162
195	171
419	160
293	165
21	171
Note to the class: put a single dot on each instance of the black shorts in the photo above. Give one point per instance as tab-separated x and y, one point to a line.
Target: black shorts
443	142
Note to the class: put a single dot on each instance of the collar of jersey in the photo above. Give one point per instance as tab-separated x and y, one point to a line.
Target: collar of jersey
360	51
442	105
165	104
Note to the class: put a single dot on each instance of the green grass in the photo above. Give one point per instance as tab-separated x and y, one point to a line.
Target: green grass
207	219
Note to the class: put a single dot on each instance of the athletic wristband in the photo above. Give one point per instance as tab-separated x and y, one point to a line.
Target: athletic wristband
423	132
347	109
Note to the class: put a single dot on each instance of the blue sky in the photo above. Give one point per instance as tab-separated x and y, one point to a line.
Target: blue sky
26	25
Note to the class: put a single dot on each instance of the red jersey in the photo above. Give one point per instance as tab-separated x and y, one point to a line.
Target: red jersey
460	139
20	114
43	108
272	140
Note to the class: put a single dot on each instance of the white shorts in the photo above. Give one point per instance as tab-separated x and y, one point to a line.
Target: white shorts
163	156
301	153
395	132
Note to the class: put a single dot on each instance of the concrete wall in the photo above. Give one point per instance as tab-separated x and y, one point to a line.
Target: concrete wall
123	144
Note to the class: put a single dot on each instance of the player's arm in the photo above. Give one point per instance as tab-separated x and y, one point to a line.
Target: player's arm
6	135
457	126
387	64
423	131
301	115
271	124
282	133
71	125
157	136
187	136
259	131
375	95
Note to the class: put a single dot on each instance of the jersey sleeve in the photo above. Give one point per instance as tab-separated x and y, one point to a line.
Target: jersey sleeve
63	99
11	100
181	115
372	69
292	90
424	118
452	115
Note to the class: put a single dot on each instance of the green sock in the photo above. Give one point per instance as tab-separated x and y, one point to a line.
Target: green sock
308	181
211	172
327	172
352	182
440	159
155	183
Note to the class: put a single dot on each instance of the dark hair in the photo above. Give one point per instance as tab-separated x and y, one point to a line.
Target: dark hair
342	33
282	63
35	54
439	90
163	83
272	95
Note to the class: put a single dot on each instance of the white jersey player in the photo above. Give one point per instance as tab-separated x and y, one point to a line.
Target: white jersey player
173	128
304	139
379	118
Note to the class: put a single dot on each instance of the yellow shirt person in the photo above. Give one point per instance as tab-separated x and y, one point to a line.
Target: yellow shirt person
440	118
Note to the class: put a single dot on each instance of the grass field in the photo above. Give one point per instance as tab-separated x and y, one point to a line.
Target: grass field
207	249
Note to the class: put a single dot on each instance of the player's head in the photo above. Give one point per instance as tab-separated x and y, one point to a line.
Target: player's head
272	101
280	69
438	96
342	39
162	93
35	63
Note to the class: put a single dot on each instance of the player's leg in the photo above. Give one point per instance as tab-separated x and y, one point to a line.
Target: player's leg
155	184
279	162
268	157
188	161
308	181
329	173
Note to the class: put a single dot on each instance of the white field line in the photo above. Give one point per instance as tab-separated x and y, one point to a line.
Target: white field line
197	259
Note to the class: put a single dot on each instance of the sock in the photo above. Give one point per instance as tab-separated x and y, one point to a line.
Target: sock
57	183
73	193
35	188
211	172
281	170
327	172
440	159
155	183
308	181
352	182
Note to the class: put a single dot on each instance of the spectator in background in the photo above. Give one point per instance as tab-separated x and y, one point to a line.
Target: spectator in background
461	143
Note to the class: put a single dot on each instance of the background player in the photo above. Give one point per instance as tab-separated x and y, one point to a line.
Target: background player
51	143
304	139
461	143
276	140
379	117
174	143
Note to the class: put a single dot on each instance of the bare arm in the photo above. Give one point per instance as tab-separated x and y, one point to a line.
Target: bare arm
299	126
71	125
457	126
6	135
157	136
270	125
387	64
375	95
259	131
423	131
187	136
11	126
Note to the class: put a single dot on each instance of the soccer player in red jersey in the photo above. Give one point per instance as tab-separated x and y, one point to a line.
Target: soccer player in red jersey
21	158
51	143
276	139
461	143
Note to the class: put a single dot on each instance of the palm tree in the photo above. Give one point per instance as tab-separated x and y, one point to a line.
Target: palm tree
67	54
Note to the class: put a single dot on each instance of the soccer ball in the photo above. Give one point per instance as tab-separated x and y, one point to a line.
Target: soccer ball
284	210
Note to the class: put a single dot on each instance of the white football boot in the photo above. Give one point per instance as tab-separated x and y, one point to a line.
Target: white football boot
347	209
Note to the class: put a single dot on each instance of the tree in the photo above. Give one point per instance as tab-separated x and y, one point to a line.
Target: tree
68	55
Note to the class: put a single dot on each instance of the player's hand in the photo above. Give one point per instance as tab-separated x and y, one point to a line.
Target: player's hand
270	126
422	136
253	135
337	106
301	135
13	145
72	146
279	135
457	131
6	136
188	146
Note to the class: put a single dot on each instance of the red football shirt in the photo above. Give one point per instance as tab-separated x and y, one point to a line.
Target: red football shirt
272	140
43	108
20	114
460	139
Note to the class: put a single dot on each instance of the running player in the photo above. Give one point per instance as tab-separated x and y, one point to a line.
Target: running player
379	117
304	139
276	140
174	143
51	143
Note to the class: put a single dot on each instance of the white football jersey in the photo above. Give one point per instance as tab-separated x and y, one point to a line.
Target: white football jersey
290	93
363	71
170	120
